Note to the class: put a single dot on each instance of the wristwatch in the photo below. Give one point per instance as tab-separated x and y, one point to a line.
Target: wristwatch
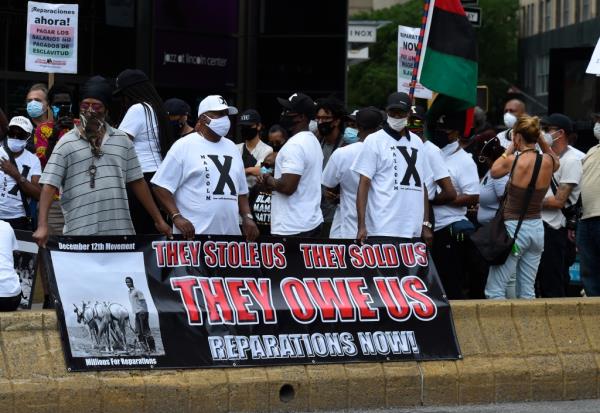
428	224
249	216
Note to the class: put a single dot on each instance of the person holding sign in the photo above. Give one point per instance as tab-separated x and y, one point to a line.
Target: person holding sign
93	163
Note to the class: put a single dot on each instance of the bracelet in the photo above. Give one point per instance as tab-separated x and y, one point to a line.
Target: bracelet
175	215
428	224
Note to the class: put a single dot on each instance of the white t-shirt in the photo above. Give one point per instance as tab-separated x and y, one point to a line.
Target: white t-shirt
569	172
206	179
9	280
490	190
338	172
260	152
578	154
395	205
301	211
11	204
145	142
437	166
503	137
463	173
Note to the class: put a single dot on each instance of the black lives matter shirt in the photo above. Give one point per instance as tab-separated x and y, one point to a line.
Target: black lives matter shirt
260	205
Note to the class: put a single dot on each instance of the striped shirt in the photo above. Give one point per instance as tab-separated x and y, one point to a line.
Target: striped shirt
102	210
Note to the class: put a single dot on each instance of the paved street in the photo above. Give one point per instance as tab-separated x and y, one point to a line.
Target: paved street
577	406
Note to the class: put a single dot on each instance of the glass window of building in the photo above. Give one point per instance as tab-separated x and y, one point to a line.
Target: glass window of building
542	68
566	12
547	15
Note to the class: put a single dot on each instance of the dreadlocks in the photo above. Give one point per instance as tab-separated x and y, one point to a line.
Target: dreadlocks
144	92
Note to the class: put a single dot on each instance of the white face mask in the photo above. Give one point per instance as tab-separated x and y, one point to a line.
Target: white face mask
549	138
597	130
397	124
509	119
16	145
220	126
313	127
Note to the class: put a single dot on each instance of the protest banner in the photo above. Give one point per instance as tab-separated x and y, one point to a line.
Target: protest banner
51	38
408	39
25	259
144	302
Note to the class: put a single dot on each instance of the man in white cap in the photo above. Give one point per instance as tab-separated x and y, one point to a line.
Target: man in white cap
201	182
20	172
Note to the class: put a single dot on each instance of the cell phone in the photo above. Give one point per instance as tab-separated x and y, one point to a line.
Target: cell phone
64	111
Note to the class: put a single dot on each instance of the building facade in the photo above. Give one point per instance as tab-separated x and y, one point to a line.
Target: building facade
249	51
556	41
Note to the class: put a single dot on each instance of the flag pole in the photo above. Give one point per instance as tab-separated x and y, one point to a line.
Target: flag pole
413	82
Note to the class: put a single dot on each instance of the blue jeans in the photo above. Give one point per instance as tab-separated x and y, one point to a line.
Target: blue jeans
530	243
588	244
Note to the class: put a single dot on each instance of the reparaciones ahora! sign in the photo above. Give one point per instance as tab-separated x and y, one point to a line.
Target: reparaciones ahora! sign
51	38
146	302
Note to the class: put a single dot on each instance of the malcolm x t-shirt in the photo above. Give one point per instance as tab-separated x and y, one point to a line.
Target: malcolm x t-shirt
398	170
206	179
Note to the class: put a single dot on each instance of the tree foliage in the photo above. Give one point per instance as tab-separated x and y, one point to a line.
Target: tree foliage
370	82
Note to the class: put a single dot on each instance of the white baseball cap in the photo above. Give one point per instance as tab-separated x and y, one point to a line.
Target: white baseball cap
215	103
22	122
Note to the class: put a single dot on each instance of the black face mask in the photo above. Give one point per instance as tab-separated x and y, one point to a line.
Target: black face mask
288	122
325	128
276	146
176	127
440	138
248	132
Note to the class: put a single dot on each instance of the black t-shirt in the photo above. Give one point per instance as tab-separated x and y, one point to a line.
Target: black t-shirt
259	199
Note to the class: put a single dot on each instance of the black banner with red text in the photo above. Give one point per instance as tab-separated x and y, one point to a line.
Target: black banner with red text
144	302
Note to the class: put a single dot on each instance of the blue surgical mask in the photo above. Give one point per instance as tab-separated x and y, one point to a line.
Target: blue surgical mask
265	170
350	135
35	109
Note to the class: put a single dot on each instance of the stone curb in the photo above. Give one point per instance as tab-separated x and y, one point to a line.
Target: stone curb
512	351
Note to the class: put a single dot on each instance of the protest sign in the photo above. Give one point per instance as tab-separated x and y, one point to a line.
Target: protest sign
594	64
143	302
51	38
408	39
25	259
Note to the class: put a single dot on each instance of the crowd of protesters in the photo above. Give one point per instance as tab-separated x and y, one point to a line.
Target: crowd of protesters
321	171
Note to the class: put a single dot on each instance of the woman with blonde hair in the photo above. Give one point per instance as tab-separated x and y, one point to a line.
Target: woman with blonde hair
530	175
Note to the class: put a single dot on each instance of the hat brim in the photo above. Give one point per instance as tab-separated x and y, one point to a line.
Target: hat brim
248	122
400	106
118	90
231	110
285	103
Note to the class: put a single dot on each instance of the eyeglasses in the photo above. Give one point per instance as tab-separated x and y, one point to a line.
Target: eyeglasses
96	107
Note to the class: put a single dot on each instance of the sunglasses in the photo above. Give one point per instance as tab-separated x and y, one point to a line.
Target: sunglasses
96	107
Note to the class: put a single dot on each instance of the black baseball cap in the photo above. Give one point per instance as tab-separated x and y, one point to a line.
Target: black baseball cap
249	117
177	107
299	103
558	120
398	100
129	77
369	118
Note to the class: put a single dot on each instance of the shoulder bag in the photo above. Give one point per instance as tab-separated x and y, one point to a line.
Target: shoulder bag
492	239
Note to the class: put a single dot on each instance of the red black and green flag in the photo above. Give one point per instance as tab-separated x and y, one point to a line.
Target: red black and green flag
448	63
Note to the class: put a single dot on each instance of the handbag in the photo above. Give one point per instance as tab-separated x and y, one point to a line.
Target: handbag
492	240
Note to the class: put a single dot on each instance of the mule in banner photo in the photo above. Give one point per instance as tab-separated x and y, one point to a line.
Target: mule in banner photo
145	302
